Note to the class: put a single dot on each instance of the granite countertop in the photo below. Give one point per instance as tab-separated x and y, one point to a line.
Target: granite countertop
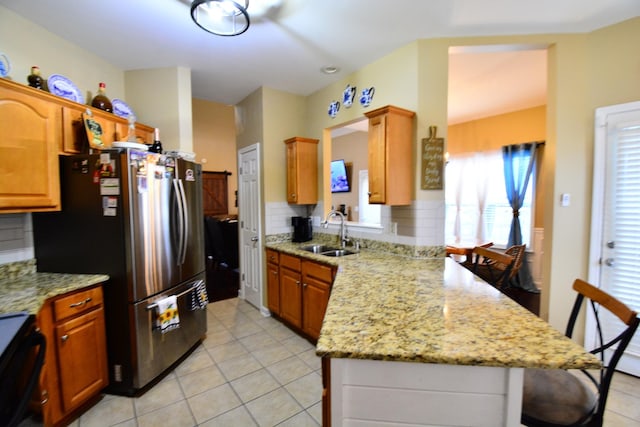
23	289
389	307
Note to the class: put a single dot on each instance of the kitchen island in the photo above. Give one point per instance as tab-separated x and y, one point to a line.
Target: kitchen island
425	342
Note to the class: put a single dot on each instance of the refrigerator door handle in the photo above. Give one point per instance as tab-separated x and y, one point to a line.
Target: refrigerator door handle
184	224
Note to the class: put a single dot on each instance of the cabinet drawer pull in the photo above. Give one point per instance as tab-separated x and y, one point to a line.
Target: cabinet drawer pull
64	337
78	304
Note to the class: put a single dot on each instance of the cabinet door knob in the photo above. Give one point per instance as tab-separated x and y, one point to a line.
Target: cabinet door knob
45	397
304	285
298	282
64	337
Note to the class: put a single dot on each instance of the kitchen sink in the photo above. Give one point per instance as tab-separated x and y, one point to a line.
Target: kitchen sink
327	250
316	249
338	252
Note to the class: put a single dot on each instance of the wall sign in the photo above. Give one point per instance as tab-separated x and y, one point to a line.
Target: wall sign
432	172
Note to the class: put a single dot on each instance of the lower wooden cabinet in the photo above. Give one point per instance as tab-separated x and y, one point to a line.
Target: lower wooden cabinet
291	290
75	368
298	291
273	281
316	288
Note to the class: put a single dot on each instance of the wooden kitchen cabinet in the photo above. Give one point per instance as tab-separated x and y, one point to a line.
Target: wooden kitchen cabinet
390	156
29	134
302	170
316	288
298	291
273	281
75	367
291	290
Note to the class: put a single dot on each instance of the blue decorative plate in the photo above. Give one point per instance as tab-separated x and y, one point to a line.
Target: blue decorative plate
120	108
64	88
5	65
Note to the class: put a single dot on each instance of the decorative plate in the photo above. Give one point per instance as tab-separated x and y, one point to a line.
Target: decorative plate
333	109
120	108
64	88
5	65
367	96
348	95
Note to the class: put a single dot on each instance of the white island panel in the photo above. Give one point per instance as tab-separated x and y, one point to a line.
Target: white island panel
384	393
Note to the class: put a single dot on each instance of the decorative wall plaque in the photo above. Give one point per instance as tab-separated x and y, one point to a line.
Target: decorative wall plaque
432	172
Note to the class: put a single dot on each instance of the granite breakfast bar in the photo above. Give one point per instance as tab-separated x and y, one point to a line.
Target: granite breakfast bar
425	342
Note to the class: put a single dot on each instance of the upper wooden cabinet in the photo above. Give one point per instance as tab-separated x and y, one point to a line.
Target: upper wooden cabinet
36	126
29	134
390	156
302	170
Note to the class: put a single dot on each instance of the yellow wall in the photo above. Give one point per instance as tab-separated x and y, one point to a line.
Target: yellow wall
214	142
492	133
284	117
27	44
161	97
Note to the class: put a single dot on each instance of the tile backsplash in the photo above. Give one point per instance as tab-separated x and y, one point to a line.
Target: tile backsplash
16	238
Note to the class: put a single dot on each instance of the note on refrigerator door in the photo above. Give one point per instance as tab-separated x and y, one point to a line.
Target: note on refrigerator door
109	187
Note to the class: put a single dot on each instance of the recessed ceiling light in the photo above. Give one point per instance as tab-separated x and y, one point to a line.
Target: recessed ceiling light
330	69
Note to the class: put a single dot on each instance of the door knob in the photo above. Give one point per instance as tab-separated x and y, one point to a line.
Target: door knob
254	239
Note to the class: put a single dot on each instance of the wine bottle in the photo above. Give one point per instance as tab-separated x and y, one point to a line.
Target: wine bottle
100	100
35	79
157	145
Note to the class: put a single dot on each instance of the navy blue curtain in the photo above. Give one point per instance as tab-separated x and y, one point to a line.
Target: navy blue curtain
518	166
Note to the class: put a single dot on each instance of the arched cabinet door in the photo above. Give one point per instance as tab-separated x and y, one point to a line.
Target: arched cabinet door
30	132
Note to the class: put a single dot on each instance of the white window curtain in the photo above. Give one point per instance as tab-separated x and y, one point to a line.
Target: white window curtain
477	209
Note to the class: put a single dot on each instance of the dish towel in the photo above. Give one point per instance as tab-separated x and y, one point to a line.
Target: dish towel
199	297
168	318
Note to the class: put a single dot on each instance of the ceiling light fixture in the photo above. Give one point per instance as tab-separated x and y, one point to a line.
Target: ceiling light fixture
221	17
330	69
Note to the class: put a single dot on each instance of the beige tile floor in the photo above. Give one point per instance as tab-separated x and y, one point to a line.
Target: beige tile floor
253	371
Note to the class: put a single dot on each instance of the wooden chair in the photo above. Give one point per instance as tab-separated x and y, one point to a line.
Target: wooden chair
556	397
517	252
492	266
464	251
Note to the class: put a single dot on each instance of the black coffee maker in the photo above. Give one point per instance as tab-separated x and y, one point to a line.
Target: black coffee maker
302	231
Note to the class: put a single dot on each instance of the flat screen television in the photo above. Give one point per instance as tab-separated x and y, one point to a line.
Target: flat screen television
339	177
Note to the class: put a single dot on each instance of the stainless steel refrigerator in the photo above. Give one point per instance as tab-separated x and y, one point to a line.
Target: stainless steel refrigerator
136	216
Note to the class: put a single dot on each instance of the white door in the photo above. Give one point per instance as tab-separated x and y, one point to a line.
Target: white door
615	227
249	214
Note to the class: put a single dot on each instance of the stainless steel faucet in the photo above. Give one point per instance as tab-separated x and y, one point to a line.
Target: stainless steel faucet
343	227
